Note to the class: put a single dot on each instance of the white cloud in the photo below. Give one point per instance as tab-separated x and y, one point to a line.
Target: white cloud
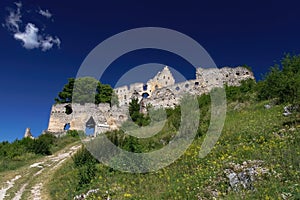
45	13
48	43
31	38
13	20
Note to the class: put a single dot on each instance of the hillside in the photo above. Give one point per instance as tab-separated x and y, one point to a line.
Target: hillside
257	155
254	138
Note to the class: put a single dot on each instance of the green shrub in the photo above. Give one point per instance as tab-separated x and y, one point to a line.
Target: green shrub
85	163
282	82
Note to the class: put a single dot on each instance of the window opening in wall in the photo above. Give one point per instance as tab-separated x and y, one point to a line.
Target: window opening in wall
67	127
196	83
145	95
145	87
90	126
69	109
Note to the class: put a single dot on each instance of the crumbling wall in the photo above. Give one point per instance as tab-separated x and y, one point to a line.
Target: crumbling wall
160	91
81	114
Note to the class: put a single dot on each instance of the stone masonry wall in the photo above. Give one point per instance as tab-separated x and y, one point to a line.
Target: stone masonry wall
160	91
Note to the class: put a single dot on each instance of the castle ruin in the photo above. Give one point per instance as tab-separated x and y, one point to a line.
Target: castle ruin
161	92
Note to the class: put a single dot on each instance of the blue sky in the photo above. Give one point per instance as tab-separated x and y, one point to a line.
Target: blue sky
255	33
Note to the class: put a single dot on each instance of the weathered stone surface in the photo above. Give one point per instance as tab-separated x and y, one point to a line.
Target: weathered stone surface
161	92
242	176
105	117
28	134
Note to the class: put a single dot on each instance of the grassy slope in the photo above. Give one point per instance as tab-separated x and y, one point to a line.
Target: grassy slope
249	133
7	164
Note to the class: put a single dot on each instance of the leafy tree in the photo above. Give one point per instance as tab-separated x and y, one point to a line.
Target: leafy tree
86	90
135	114
282	82
65	96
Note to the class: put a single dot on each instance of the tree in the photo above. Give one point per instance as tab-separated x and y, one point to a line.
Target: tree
283	81
86	90
135	114
65	96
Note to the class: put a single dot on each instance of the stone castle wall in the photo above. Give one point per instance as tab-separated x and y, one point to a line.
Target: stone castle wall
161	91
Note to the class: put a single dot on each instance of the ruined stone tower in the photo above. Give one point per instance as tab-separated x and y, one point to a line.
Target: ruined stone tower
161	92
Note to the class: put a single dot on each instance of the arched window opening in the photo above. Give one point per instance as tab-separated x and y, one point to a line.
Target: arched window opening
67	127
145	95
90	126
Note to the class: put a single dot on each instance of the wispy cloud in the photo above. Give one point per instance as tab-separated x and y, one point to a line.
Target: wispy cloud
48	43
31	37
13	20
45	13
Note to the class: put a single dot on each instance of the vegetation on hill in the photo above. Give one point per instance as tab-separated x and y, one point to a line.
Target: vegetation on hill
252	133
20	152
282	82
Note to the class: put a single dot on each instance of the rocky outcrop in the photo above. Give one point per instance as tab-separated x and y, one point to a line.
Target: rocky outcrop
242	176
28	134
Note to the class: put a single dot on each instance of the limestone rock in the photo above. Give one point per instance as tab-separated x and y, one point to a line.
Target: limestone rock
242	176
28	134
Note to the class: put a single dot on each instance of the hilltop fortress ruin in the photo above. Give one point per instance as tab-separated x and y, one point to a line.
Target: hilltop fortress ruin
161	92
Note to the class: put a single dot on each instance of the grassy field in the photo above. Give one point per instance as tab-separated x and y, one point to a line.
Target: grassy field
251	132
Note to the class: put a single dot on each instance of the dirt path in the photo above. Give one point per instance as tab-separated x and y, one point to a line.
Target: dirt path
28	181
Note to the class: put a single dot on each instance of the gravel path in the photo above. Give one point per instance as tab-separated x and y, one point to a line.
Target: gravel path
29	182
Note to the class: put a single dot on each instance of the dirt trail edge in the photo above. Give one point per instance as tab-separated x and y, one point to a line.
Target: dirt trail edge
28	181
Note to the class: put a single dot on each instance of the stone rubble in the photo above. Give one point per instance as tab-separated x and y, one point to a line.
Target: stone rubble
242	176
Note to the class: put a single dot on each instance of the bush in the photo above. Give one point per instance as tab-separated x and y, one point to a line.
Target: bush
240	93
86	165
282	82
135	114
74	133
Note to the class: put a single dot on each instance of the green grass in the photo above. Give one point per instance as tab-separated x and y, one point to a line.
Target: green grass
23	157
250	133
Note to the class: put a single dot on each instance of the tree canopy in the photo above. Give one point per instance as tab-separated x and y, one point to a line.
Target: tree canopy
283	81
86	90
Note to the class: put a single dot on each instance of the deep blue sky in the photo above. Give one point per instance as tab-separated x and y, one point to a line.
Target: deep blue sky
255	33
